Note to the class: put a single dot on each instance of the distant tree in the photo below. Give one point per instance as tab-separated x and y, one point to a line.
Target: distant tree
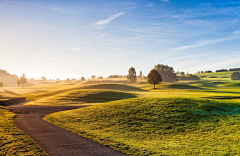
43	78
57	82
167	73
132	77
235	75
19	82
182	73
1	84
140	74
234	69
82	79
99	77
177	73
188	77
154	77
93	77
68	79
208	71
23	79
201	71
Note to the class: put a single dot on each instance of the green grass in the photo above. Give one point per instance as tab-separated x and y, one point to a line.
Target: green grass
14	141
214	75
158	126
82	96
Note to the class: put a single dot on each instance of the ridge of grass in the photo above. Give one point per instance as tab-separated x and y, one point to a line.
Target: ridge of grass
14	141
118	87
158	126
82	96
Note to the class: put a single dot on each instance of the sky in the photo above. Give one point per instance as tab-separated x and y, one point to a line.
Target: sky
70	39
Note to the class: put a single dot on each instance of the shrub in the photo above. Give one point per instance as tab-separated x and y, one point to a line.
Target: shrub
235	76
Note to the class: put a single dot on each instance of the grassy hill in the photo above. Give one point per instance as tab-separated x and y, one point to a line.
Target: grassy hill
215	75
158	126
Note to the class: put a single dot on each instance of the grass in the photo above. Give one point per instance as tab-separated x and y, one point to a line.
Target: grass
82	96
173	119
158	126
14	141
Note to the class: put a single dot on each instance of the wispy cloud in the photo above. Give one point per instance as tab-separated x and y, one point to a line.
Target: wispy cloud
101	36
103	23
150	5
236	36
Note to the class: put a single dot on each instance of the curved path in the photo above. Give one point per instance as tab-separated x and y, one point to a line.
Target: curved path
54	140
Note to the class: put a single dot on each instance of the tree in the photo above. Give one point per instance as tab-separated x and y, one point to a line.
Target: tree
93	77
82	79
19	82
132	77
182	73
154	77
140	74
23	79
43	78
235	76
167	73
1	84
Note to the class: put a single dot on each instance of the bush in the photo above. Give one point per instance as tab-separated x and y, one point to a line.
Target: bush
235	76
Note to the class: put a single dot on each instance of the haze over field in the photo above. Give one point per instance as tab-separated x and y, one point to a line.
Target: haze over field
71	39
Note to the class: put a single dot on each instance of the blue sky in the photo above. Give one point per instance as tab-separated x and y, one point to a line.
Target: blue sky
71	39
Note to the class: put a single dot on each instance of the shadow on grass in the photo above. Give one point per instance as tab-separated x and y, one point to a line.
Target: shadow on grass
177	86
216	91
9	92
104	96
118	87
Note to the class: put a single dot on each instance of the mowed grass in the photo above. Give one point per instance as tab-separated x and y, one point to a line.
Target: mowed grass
14	141
82	96
158	126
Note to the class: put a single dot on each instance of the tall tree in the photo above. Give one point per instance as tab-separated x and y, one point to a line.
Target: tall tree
23	79
132	77
154	77
140	74
93	77
167	73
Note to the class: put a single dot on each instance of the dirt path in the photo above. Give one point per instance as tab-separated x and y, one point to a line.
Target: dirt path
54	140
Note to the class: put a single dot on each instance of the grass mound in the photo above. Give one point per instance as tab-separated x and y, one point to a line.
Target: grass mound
232	84
154	126
175	86
14	141
81	96
119	87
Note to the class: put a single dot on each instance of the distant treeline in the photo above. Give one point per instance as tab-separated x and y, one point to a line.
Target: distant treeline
116	76
220	70
8	79
188	77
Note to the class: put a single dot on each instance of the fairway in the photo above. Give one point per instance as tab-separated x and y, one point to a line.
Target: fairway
182	118
173	119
